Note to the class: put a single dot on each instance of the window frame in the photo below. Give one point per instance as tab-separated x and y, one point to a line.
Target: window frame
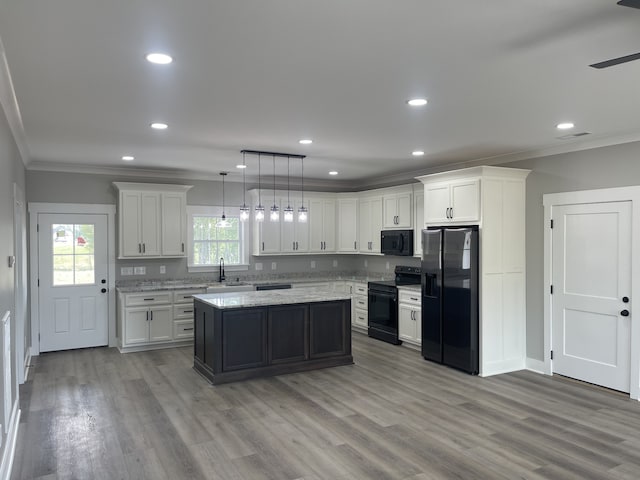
211	211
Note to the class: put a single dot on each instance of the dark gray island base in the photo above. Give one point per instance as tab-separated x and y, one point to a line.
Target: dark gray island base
258	334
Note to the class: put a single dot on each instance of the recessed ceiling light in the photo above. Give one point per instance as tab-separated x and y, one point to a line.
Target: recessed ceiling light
333	172
128	158
306	141
159	126
159	58
565	126
241	166
417	102
417	153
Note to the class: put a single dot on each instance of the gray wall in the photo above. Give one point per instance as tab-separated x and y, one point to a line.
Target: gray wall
11	171
614	166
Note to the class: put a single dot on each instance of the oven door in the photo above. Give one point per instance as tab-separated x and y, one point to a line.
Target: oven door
383	315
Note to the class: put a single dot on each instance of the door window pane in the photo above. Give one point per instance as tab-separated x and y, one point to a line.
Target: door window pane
73	254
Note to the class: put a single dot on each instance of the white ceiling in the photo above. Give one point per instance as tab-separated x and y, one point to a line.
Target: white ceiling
257	74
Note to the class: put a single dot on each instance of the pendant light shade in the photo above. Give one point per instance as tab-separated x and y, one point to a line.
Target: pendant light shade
259	210
288	211
244	209
303	213
223	222
275	213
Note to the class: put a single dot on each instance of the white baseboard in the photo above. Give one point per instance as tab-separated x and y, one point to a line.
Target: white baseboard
537	366
10	445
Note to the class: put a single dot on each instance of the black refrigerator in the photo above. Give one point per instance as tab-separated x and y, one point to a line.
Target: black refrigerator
450	296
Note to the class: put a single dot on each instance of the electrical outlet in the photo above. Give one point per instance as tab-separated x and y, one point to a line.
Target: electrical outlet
163	269
126	271
139	270
313	264
387	265
273	265
366	263
335	263
258	266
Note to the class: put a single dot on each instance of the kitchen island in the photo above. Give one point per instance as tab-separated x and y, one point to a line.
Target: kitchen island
256	334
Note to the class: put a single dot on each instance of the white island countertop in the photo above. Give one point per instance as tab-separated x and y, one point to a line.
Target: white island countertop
270	297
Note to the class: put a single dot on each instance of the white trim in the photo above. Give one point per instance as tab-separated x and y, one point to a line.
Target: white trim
9	103
70	208
27	365
536	365
618	194
20	279
10	446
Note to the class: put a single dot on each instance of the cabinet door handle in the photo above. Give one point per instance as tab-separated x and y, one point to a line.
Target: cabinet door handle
144	248
147	315
182	247
139	248
187	329
187	311
263	246
414	299
151	314
297	246
451	213
354	246
148	299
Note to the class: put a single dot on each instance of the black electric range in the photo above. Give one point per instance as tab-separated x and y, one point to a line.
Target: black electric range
383	303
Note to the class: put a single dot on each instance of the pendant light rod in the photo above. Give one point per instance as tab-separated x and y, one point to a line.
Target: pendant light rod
273	154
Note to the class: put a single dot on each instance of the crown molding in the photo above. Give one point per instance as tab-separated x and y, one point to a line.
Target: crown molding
11	109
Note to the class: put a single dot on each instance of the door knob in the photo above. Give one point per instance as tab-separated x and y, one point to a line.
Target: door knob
625	299
104	290
624	313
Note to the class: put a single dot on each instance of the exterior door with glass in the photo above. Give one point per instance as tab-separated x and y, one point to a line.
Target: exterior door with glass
73	283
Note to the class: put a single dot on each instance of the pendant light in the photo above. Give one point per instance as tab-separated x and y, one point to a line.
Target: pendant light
259	210
303	212
223	222
275	214
244	209
288	211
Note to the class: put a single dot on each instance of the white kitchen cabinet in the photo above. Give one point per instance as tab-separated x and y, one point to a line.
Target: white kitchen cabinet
409	316
360	307
146	229
174	224
266	234
418	222
144	325
397	210
322	225
454	201
494	199
183	313
294	235
347	225
369	223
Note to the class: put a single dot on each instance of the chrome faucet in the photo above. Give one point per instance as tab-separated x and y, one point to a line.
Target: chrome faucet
222	277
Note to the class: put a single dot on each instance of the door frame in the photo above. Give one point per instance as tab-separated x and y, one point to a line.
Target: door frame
619	194
70	208
20	282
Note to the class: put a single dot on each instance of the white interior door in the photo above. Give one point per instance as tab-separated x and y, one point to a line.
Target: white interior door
591	277
73	283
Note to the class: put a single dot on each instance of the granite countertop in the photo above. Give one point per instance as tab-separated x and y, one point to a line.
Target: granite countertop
270	297
159	286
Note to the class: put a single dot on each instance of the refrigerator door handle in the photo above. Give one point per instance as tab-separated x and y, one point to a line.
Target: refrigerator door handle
430	284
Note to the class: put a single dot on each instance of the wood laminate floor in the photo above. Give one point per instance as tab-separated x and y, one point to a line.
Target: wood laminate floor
97	414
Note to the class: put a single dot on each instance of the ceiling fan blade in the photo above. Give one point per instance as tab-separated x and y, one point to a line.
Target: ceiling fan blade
616	61
630	3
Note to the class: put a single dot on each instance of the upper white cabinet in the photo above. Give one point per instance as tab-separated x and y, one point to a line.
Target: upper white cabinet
453	201
322	225
294	235
370	223
494	199
347	225
397	209
151	220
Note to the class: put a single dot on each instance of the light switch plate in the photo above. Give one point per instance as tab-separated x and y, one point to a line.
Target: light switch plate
387	265
258	266
126	271
273	265
366	263
139	270
335	263
313	264
163	269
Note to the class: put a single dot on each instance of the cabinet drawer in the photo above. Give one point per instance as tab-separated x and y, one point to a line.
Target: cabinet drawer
361	302
360	318
360	289
182	329
410	297
186	296
183	311
150	298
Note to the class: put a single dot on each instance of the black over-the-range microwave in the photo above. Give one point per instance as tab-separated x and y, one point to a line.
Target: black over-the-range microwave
396	242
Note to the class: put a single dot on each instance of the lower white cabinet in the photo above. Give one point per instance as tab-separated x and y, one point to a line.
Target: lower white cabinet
360	307
144	325
409	316
155	319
